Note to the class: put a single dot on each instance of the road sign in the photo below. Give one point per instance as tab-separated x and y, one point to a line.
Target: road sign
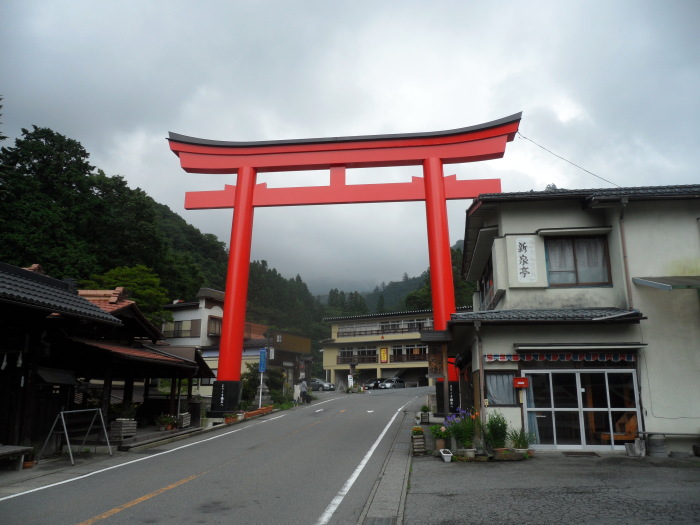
263	360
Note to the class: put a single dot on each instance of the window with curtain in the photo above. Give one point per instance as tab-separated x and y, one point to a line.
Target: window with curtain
577	261
499	389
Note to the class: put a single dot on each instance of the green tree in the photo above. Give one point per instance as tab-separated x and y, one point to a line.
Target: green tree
47	204
380	305
274	379
2	137
250	381
60	211
422	298
142	285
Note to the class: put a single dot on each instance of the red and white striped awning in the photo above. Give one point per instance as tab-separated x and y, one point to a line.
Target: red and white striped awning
562	356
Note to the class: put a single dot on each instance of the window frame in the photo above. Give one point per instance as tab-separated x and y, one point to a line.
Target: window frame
513	374
574	239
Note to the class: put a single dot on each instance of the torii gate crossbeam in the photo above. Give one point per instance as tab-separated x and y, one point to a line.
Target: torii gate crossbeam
431	150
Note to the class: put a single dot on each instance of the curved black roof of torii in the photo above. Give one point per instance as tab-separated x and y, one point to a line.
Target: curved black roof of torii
176	137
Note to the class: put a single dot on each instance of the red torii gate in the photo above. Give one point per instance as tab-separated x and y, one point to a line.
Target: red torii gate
246	159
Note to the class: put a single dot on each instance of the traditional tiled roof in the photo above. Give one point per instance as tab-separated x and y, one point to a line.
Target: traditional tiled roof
633	193
255	343
108	300
426	311
139	354
32	290
116	303
548	316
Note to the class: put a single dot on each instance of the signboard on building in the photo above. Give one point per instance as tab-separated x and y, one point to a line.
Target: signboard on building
384	355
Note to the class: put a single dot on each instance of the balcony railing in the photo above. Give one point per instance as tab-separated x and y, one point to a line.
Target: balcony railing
381	331
356	359
409	358
361	359
177	333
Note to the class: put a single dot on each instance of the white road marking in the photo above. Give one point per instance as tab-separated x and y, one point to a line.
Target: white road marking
338	499
138	460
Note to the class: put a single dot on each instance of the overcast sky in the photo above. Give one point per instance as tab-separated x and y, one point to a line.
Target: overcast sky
612	86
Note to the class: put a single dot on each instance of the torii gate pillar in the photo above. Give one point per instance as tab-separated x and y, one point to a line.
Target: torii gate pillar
246	159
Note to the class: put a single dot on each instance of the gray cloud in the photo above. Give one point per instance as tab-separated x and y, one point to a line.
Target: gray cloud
610	86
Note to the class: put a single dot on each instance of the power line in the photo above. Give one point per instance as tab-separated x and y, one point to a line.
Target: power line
566	160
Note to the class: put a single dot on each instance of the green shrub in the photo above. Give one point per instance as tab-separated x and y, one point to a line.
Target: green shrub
496	430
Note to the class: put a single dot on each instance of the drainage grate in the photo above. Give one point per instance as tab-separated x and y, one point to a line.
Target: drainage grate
581	454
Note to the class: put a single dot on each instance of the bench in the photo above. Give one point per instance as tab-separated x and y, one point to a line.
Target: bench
646	433
691	434
625	429
11	451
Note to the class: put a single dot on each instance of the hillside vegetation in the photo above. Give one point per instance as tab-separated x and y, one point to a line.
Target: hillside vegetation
58	210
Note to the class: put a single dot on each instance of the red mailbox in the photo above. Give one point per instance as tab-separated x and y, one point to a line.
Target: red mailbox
521	382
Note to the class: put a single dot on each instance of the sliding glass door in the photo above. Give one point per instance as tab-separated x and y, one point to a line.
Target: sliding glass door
577	409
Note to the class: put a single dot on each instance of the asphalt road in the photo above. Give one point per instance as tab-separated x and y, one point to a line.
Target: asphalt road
315	464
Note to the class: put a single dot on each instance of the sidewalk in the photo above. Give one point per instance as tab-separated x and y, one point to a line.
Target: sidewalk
604	488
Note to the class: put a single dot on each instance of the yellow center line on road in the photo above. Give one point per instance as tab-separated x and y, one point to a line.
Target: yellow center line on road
155	493
132	503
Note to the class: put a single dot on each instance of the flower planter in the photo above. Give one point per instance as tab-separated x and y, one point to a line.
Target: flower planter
466	452
439	443
184	420
122	428
446	455
418	445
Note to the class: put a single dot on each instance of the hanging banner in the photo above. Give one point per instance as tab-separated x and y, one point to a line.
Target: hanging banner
435	369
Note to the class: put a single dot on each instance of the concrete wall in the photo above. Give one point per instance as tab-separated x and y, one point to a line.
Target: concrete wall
663	239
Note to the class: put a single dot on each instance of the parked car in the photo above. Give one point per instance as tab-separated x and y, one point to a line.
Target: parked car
320	384
392	382
372	384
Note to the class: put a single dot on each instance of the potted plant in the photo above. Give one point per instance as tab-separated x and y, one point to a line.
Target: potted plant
230	418
425	414
496	431
520	440
464	427
165	421
440	433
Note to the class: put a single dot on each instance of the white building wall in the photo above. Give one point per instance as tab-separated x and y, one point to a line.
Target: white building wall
663	239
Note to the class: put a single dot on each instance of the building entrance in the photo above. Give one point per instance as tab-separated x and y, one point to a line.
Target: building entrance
582	409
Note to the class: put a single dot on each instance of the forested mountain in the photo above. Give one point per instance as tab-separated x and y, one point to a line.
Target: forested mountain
58	210
63	213
391	297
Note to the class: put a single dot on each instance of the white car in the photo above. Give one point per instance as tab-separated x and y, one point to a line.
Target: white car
320	384
392	382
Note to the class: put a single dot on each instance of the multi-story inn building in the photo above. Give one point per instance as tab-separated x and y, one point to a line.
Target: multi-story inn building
197	324
378	346
585	326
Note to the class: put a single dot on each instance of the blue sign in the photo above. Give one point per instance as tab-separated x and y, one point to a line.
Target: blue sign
263	360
